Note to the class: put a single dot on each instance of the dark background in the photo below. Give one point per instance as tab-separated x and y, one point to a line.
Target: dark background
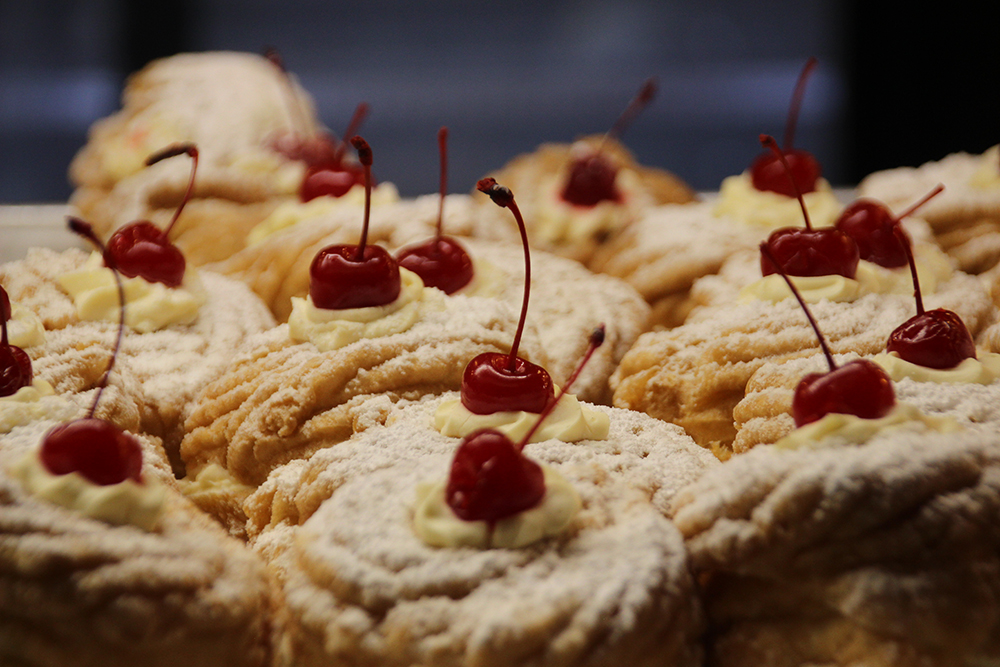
894	86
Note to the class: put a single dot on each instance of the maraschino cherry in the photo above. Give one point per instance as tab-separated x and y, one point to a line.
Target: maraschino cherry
767	174
335	176
143	249
934	338
495	382
98	450
490	478
806	252
301	143
15	364
592	176
860	387
441	261
871	224
355	276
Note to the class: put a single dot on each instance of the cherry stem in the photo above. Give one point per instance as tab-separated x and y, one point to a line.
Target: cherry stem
767	141
172	151
443	152
504	198
905	242
793	111
365	156
920	202
294	104
641	100
81	228
596	340
788	281
360	113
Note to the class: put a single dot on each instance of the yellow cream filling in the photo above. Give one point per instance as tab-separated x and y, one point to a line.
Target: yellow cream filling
125	503
570	421
35	402
987	175
437	525
984	370
289	214
855	430
151	306
212	479
330	329
740	200
124	154
24	328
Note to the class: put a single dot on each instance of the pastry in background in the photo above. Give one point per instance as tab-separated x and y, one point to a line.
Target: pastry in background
966	217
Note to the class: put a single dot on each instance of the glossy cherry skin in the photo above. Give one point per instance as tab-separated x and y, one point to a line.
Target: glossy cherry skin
488	386
440	262
591	180
870	224
98	450
491	480
768	174
330	179
860	388
15	370
338	281
318	149
142	249
5	309
934	339
811	252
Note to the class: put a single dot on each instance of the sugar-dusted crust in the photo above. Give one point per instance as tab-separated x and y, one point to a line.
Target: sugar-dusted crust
567	301
696	374
77	591
530	175
667	249
965	217
172	364
363	589
282	400
884	553
764	415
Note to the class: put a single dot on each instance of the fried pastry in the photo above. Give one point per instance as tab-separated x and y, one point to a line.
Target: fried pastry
696	374
576	231
884	553
82	591
364	589
172	363
965	217
567	301
281	400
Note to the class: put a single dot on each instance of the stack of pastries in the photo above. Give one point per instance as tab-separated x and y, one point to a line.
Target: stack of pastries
310	484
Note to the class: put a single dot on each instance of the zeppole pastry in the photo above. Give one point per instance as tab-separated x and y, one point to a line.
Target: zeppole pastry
346	531
877	553
259	140
695	375
576	197
966	217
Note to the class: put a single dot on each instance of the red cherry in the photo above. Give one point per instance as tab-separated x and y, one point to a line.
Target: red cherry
96	449
440	262
143	249
935	338
808	251
15	364
338	279
489	386
592	176
490	479
871	225
349	276
330	179
493	382
860	388
767	174
811	252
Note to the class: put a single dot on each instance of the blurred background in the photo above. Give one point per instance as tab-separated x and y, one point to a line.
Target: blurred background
891	88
